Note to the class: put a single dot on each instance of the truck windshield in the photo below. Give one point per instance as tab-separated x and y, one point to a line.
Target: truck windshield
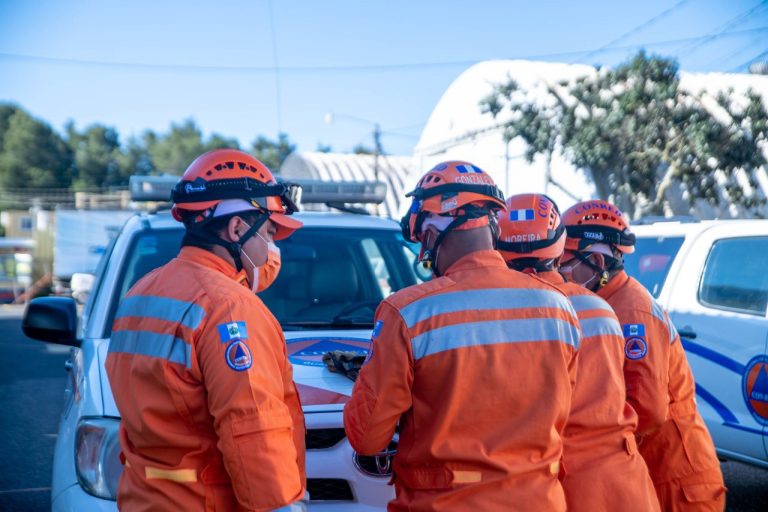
330	278
651	260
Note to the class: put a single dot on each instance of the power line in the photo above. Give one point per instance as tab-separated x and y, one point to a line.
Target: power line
635	30
722	28
355	67
750	61
277	69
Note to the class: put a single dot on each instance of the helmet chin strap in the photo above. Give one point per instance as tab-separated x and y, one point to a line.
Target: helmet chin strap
429	258
604	274
234	248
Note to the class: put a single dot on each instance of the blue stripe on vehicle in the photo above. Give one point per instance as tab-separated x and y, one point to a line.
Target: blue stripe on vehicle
482	299
600	326
717	405
738	426
152	344
587	302
188	314
715	357
493	332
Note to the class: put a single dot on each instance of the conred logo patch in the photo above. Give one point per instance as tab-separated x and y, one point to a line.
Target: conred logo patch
755	388
635	348
238	356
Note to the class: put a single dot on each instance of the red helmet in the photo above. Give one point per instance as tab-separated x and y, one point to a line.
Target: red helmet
597	221
452	189
531	228
230	174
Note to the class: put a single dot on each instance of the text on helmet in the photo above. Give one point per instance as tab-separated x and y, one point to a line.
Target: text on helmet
599	205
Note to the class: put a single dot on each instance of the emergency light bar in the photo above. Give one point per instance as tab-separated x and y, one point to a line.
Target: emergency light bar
158	188
152	188
341	192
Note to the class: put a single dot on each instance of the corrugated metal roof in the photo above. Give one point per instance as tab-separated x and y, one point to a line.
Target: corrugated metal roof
392	170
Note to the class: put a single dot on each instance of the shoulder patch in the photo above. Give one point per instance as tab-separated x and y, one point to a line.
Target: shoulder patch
232	331
238	356
635	348
375	334
631	330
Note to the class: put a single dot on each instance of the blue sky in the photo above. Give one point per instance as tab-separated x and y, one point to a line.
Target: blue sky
245	68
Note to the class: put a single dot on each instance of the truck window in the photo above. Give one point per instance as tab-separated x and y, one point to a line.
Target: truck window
734	276
651	260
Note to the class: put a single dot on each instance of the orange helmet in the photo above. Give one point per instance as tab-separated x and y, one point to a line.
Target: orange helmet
452	189
223	175
531	228
597	221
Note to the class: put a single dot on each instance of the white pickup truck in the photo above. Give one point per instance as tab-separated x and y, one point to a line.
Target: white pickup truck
712	277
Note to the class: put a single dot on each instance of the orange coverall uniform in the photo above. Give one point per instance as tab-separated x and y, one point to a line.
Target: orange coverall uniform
211	419
603	470
477	366
672	437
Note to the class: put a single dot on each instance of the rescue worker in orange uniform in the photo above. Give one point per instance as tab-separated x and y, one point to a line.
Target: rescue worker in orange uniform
211	419
672	437
602	469
475	366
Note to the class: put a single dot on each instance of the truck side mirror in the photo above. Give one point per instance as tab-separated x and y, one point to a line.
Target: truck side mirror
52	319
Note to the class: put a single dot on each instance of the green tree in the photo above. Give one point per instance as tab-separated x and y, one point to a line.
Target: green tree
272	153
134	158
638	133
6	111
173	152
33	155
362	149
96	153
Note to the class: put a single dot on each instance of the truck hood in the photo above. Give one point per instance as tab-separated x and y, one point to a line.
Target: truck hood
319	388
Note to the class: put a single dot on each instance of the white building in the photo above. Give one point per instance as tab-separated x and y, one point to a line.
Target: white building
395	171
457	130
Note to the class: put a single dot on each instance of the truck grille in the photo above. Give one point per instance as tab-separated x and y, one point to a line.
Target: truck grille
322	438
329	489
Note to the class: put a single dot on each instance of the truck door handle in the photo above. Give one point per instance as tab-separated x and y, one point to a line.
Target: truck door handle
687	332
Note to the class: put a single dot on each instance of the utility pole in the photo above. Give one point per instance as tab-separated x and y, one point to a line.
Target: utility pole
377	150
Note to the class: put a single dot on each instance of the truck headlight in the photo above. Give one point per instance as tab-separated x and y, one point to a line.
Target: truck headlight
97	456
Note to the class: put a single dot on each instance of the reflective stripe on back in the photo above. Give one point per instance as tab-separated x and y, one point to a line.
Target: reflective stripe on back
494	332
187	314
587	302
481	299
600	326
148	343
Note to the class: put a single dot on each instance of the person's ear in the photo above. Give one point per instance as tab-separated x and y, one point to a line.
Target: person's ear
235	228
598	259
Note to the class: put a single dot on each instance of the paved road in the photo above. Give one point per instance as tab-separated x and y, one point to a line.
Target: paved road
32	380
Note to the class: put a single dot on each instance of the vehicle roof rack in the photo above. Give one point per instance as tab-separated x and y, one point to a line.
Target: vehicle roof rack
653	219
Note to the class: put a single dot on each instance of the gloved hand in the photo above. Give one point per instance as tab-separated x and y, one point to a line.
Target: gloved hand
345	362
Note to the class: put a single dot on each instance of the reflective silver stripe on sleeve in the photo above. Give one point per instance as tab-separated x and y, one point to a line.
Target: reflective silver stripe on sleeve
188	314
494	332
663	317
153	344
600	326
481	299
587	302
